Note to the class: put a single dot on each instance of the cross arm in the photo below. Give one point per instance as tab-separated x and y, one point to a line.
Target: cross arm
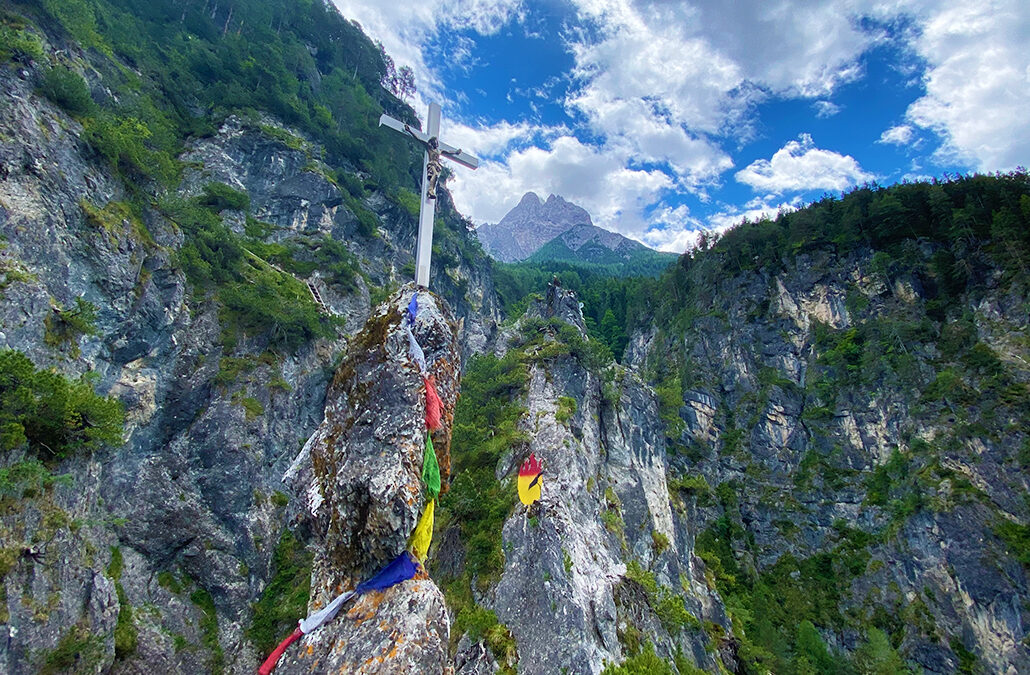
449	151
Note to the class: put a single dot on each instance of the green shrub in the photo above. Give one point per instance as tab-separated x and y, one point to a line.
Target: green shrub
644	663
368	223
26	478
122	142
18	44
219	197
77	649
482	624
55	416
485	427
409	201
65	326
659	542
1016	538
67	89
612	521
271	304
876	656
667	604
566	409
112	218
126	635
695	484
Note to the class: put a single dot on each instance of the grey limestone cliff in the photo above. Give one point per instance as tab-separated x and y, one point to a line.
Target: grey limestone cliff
605	561
814	454
150	555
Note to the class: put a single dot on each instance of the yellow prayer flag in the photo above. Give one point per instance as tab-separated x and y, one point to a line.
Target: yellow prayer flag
423	534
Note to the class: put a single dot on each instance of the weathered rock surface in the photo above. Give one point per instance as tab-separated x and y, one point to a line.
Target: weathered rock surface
189	501
605	501
359	480
802	455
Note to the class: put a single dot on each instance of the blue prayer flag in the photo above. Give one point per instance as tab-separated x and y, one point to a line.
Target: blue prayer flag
400	569
413	309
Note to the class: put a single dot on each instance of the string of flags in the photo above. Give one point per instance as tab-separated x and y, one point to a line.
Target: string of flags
401	568
406	565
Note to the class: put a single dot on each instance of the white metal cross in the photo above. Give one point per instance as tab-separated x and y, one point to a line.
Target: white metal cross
435	149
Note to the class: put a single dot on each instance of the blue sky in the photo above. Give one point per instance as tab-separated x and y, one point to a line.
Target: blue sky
663	117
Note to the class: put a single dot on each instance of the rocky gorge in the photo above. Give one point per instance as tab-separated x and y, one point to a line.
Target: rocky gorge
812	456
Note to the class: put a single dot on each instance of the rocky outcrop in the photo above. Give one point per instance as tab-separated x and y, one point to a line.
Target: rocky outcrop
178	527
359	483
605	506
820	451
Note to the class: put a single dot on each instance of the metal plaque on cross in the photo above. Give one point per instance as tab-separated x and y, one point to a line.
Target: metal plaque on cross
431	168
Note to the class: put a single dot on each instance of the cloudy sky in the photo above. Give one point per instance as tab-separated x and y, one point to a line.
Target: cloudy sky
661	117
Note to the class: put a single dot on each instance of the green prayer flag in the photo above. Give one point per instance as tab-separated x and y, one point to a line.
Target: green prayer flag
431	470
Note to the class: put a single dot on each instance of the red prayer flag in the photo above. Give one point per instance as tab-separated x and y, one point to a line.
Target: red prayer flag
273	659
434	406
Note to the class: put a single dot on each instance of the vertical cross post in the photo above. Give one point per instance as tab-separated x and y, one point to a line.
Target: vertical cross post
435	150
427	207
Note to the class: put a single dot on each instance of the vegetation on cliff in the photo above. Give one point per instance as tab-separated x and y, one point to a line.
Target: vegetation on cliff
926	260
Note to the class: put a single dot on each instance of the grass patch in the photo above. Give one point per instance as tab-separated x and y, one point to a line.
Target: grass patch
126	635
566	409
667	604
209	629
77	651
285	598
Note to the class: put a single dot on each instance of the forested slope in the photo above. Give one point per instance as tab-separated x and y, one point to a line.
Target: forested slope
848	392
844	395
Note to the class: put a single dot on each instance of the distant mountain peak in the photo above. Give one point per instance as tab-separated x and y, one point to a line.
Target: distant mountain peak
530	225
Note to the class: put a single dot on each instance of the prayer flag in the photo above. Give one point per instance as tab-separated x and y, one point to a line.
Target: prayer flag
416	353
413	309
529	480
434	406
423	534
400	569
430	470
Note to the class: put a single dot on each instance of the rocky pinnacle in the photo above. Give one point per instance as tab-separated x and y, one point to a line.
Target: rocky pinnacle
359	477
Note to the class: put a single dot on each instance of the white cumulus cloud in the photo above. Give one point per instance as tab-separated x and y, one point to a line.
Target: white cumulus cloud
824	109
800	166
404	28
977	89
595	178
898	135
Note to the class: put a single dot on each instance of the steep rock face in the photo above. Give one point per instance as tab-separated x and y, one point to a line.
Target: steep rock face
530	225
292	191
359	480
565	593
819	453
174	532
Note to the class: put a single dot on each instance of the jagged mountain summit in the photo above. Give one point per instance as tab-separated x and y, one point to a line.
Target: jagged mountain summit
530	225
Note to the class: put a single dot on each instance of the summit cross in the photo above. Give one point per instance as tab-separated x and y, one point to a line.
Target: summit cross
431	168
